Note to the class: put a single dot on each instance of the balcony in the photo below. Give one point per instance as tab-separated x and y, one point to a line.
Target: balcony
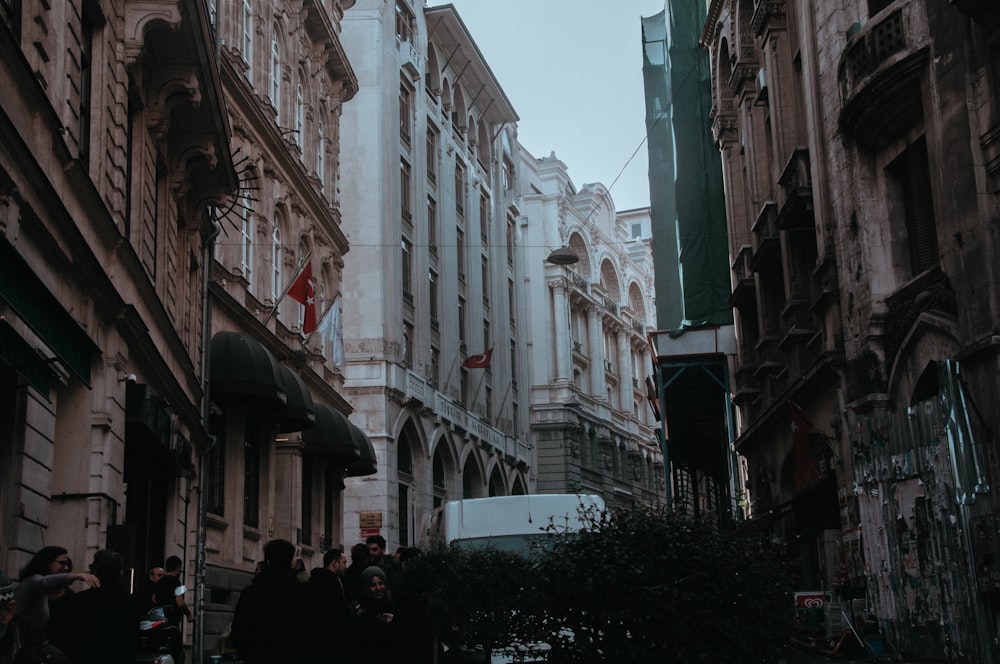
766	240
796	192
880	76
746	388
798	325
744	291
769	359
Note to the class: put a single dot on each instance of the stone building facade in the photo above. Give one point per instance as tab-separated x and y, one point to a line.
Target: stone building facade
114	149
282	446
431	284
591	424
168	169
859	149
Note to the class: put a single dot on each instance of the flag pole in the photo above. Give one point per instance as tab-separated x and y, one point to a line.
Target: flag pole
302	264
503	403
447	380
475	399
319	322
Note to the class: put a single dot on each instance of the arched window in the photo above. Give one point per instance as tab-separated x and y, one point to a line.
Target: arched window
275	261
275	74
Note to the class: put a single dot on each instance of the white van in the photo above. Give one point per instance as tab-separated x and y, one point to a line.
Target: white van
507	523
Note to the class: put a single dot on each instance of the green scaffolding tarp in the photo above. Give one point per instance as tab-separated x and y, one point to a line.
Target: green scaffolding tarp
690	247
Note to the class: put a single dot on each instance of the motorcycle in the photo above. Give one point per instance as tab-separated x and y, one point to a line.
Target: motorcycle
159	635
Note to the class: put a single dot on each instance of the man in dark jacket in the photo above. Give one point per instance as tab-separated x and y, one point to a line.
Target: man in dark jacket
329	613
271	621
104	626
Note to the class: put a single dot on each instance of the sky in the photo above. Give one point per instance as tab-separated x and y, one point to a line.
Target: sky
572	69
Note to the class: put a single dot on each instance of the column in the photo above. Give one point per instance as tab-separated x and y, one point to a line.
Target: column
561	331
599	386
625	397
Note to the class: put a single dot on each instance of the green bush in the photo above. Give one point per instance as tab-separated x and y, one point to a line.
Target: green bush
639	586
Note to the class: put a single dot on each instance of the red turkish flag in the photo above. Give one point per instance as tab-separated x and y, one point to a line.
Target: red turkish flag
304	291
480	361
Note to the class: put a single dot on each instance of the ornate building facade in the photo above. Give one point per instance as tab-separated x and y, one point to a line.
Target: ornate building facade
166	170
592	427
435	363
859	148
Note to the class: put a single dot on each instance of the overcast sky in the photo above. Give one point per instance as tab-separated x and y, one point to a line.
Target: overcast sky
573	71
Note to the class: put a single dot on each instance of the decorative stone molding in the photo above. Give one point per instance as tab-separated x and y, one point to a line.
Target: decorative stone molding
140	15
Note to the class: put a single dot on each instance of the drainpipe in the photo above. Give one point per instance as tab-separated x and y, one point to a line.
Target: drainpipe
206	332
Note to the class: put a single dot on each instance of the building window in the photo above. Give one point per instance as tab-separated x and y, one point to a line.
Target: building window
405	194
405	22
507	173
405	113
510	303
86	66
404	475
432	226
510	242
909	184
484	218
461	325
408	344
321	156
275	74
246	240
437	479
486	281
299	116
251	478
460	189
432	298
435	372
460	253
275	262
431	146
246	43
407	270
513	363
215	477
213	11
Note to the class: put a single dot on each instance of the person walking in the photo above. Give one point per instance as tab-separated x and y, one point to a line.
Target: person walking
104	628
270	622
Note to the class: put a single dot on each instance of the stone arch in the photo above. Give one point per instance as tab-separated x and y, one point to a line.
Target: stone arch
518	485
931	338
497	485
473	476
446	96
609	280
485	146
637	302
444	470
579	247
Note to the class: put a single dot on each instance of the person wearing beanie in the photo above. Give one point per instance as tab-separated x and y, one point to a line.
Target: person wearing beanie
377	632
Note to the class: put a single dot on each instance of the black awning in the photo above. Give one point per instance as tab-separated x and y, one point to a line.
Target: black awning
332	436
241	366
367	464
299	412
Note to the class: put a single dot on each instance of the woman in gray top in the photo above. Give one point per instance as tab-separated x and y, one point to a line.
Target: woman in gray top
41	577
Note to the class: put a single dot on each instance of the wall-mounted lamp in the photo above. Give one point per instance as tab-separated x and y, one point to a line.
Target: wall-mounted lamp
130	378
562	256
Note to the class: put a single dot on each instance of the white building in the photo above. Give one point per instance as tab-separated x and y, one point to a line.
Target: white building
429	155
592	427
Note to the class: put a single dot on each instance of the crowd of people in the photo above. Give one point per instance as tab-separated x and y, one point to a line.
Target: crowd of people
344	609
341	611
